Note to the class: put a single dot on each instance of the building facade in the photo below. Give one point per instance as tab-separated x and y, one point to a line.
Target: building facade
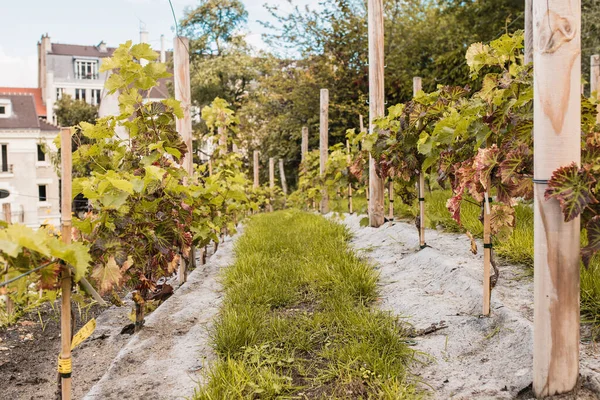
28	180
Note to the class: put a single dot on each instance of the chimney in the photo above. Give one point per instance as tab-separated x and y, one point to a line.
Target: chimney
46	45
143	39
163	49
102	47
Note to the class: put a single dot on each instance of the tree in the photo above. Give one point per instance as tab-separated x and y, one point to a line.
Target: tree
71	112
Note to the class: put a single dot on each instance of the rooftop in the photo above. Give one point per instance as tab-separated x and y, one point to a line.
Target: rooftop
23	115
35	92
80	50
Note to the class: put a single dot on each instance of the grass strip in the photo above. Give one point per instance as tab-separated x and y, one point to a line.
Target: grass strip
297	321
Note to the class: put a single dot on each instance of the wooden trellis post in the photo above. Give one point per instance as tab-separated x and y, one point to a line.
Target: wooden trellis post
557	139
417	87
528	31
271	181
183	93
350	208
595	80
222	133
391	199
10	306
376	105
304	148
64	361
324	147
255	169
362	129
282	177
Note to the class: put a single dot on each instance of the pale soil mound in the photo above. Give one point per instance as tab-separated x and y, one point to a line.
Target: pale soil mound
474	357
165	360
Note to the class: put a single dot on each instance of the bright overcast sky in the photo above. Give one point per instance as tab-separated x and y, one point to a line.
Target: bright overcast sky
23	22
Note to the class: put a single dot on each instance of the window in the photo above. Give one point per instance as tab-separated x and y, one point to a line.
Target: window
96	96
59	93
80	94
2	110
41	156
42	193
86	69
4	155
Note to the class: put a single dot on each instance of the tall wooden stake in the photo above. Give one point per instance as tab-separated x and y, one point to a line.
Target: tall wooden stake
10	306
595	80
271	181
324	146
256	176
417	87
350	205
391	199
557	138
282	177
528	31
376	106
222	133
182	88
65	367
304	148
362	129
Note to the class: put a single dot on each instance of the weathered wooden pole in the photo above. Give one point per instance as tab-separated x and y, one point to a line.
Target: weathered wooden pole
271	181
349	160
10	306
595	80
222	133
64	360
183	93
366	173
255	169
304	148
282	177
417	87
557	138
324	147
528	31
376	105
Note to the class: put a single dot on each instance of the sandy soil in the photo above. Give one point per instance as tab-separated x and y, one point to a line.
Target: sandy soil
474	357
165	359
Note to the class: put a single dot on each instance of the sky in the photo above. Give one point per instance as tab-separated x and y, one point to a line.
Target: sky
22	23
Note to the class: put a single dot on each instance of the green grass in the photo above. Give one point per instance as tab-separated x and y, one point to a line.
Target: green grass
297	321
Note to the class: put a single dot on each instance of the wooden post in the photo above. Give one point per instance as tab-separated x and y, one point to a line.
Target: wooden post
487	249
417	87
183	93
350	205
222	132
324	146
304	148
256	177
10	306
528	31
282	177
271	181
362	129
376	105
557	138
595	80
65	304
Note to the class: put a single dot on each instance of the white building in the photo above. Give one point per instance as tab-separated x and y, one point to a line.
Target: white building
28	181
75	70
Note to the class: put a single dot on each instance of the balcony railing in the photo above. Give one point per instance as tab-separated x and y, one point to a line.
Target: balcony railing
87	76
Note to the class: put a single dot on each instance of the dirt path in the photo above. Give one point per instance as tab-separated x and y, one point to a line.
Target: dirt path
164	360
473	357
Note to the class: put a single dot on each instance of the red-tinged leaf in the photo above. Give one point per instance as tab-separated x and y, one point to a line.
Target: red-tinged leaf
356	168
515	161
453	206
107	275
485	162
49	277
505	192
593	235
502	219
572	187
